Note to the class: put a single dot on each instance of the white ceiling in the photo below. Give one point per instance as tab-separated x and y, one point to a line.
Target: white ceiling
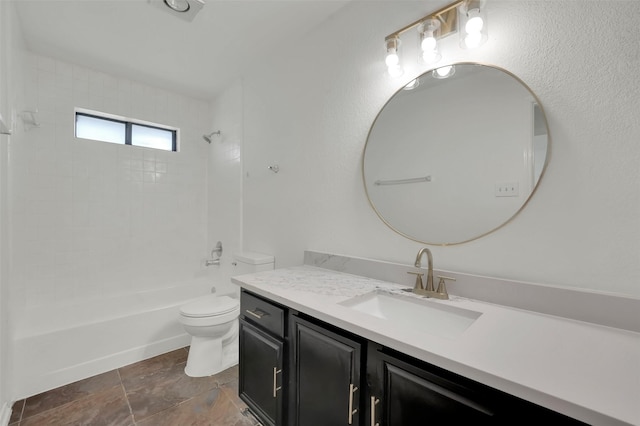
135	39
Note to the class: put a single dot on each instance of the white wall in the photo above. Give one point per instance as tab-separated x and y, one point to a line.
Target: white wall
310	109
11	44
93	219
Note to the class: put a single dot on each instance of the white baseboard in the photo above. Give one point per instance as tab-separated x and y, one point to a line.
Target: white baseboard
33	385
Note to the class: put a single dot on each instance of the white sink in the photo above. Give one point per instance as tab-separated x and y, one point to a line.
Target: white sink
420	315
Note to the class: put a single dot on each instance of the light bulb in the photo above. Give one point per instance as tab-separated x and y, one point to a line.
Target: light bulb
475	22
473	40
392	59
428	43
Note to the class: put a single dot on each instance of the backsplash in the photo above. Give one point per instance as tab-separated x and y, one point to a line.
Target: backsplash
598	308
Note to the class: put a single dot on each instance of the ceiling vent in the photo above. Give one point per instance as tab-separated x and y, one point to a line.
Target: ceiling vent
183	9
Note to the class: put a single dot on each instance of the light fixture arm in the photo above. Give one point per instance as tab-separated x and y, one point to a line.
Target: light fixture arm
448	17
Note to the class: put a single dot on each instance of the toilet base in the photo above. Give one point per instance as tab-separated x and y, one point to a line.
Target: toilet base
209	356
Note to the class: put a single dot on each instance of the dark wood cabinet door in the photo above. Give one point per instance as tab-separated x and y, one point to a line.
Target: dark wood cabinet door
404	394
411	399
261	376
327	376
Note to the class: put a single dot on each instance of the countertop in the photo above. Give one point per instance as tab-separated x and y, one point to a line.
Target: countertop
586	371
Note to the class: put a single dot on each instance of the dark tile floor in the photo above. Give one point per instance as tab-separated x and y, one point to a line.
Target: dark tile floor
153	392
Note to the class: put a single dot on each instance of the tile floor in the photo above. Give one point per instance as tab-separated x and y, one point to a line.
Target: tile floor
153	392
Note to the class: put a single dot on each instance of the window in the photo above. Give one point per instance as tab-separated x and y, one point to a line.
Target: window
110	128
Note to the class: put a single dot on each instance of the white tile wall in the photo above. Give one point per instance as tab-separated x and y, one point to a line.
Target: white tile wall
90	218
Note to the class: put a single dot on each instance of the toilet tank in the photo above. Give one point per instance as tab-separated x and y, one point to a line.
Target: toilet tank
247	262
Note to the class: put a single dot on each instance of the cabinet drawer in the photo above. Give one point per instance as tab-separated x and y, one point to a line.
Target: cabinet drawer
262	313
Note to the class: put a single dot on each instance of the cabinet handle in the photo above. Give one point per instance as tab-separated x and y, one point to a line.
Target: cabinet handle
374	402
257	313
352	390
275	389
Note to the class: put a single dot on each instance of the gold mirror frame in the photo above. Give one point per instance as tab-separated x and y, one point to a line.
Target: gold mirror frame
482	232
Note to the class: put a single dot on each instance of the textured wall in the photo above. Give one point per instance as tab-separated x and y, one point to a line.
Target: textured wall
310	109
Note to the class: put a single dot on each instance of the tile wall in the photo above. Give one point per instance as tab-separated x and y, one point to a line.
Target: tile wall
93	219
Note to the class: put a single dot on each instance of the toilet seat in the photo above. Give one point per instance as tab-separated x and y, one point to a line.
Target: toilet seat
209	306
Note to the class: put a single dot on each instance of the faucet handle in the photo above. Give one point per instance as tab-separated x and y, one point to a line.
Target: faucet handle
418	285
442	287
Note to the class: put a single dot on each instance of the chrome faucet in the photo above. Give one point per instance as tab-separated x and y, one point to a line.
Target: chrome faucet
429	286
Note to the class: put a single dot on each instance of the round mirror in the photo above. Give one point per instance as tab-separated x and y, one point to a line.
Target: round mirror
455	154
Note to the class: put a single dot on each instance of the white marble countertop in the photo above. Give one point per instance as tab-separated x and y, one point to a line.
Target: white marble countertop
585	371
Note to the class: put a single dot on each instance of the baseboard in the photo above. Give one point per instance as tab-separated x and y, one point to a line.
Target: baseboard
34	385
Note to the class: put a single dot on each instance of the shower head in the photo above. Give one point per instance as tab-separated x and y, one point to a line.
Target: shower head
208	137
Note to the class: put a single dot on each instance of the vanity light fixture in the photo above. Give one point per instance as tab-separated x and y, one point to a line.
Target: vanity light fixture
467	17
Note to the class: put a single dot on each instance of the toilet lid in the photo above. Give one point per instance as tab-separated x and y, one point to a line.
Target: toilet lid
209	306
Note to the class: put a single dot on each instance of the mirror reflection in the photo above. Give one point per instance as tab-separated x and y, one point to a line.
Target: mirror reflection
455	155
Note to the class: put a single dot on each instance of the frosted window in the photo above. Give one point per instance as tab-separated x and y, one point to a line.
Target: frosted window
152	137
110	128
100	129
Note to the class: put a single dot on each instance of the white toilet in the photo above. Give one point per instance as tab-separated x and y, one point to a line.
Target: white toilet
212	321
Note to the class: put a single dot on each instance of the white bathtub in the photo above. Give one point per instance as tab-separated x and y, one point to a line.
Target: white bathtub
62	344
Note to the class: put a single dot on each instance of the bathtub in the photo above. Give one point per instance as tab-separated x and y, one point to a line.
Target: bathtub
61	344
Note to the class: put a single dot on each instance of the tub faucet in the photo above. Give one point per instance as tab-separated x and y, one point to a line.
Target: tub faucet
429	286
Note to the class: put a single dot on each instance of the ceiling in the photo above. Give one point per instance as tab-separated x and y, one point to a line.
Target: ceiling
138	40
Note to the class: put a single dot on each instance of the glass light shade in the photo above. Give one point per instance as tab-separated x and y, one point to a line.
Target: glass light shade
392	58
428	38
429	42
473	23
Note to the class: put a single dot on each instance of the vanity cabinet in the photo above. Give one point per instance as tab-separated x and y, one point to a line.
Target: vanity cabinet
298	371
326	375
403	390
262	361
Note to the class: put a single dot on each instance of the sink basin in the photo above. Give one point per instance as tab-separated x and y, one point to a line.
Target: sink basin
416	314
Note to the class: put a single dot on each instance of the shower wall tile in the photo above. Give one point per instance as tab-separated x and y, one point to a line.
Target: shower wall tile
93	219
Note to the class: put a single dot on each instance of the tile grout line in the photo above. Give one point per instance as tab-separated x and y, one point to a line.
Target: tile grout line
126	397
24	404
